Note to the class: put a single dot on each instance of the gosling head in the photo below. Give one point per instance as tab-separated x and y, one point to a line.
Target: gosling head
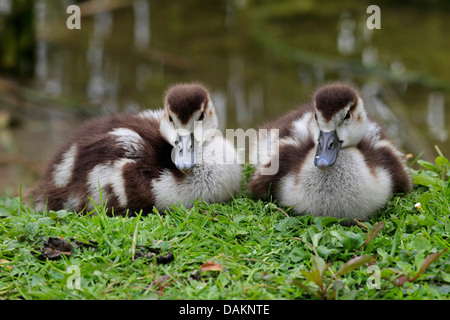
340	118
188	112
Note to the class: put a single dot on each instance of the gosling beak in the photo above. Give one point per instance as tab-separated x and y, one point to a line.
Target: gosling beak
327	150
185	152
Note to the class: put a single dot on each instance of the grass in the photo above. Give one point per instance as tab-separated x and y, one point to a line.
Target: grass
244	249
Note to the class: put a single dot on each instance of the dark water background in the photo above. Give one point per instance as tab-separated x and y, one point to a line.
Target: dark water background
259	59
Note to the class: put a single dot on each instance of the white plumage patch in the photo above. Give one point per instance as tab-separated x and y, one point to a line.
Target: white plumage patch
62	172
72	202
151	114
109	174
128	139
300	127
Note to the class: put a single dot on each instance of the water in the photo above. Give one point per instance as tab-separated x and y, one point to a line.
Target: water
259	61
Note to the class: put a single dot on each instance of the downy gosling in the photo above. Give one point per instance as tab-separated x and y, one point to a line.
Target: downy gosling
333	159
144	160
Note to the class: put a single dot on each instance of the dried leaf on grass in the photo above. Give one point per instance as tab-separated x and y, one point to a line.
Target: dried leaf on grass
211	266
3	262
54	248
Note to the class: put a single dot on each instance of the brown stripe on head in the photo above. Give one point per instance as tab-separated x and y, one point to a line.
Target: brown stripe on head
185	99
332	98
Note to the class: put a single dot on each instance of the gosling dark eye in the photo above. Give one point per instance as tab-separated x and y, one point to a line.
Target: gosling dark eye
170	119
347	116
202	116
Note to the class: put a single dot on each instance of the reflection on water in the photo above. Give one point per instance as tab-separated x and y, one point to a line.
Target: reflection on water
346	36
258	59
436	116
141	24
41	62
372	94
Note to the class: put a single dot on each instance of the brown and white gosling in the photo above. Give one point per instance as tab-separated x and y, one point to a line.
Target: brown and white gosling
144	160
333	160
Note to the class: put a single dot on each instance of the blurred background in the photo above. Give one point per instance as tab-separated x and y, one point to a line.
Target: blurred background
260	59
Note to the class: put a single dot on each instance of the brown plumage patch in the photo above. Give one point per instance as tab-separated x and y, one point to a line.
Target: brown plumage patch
331	98
138	176
384	157
185	99
291	158
97	146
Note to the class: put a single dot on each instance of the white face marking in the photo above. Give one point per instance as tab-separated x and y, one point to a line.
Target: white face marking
200	128
108	174
168	131
128	139
173	119
205	129
62	172
350	131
